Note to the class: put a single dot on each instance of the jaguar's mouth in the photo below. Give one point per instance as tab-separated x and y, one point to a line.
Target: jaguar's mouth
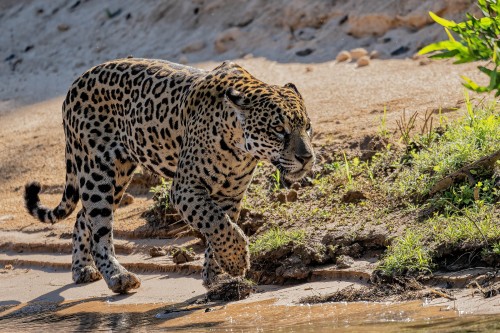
295	176
288	175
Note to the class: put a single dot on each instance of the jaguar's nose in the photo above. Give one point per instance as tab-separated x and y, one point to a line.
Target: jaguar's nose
304	157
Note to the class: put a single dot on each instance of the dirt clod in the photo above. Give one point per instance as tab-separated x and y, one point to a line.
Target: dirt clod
344	261
281	197
127	199
353	196
402	289
230	289
157	252
292	196
182	255
9	267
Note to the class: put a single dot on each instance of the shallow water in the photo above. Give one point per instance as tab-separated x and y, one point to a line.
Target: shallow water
91	316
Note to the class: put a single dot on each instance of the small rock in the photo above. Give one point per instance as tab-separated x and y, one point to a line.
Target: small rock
297	273
374	54
292	196
225	40
127	199
343	56
296	186
344	261
63	27
157	251
358	53
183	60
248	56
8	267
194	47
182	255
363	61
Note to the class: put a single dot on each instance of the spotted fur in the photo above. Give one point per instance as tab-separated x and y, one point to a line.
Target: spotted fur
206	129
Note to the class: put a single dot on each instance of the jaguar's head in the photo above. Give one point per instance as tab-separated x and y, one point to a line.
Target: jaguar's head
275	126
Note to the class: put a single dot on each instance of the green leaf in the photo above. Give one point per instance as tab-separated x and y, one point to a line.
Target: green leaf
444	55
442	21
444	45
471	85
450	36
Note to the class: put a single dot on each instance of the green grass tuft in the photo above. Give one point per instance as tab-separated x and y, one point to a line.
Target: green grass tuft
466	140
408	253
275	238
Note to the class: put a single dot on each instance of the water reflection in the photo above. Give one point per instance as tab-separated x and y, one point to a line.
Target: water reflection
99	315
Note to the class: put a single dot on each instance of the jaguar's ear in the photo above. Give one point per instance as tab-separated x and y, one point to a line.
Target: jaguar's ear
293	87
236	98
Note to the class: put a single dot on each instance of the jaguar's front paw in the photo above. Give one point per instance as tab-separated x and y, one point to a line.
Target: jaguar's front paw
86	274
123	282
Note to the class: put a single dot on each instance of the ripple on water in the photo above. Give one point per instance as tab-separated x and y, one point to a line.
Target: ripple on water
91	316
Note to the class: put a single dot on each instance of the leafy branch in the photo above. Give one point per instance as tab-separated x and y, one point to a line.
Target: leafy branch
479	40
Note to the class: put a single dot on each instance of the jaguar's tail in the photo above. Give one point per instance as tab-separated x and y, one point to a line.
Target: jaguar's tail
66	206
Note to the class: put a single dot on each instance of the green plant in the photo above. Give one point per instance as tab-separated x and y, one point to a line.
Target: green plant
465	141
161	194
347	170
382	130
408	253
478	41
275	238
495	248
277	180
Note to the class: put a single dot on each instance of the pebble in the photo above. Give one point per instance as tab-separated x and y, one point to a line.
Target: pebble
194	47
157	251
127	199
63	27
374	54
363	61
343	56
358	53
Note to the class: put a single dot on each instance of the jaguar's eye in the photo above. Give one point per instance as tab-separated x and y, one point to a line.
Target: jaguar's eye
279	129
308	127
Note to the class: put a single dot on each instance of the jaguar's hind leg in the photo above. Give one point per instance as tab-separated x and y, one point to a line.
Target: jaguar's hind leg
100	197
83	266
